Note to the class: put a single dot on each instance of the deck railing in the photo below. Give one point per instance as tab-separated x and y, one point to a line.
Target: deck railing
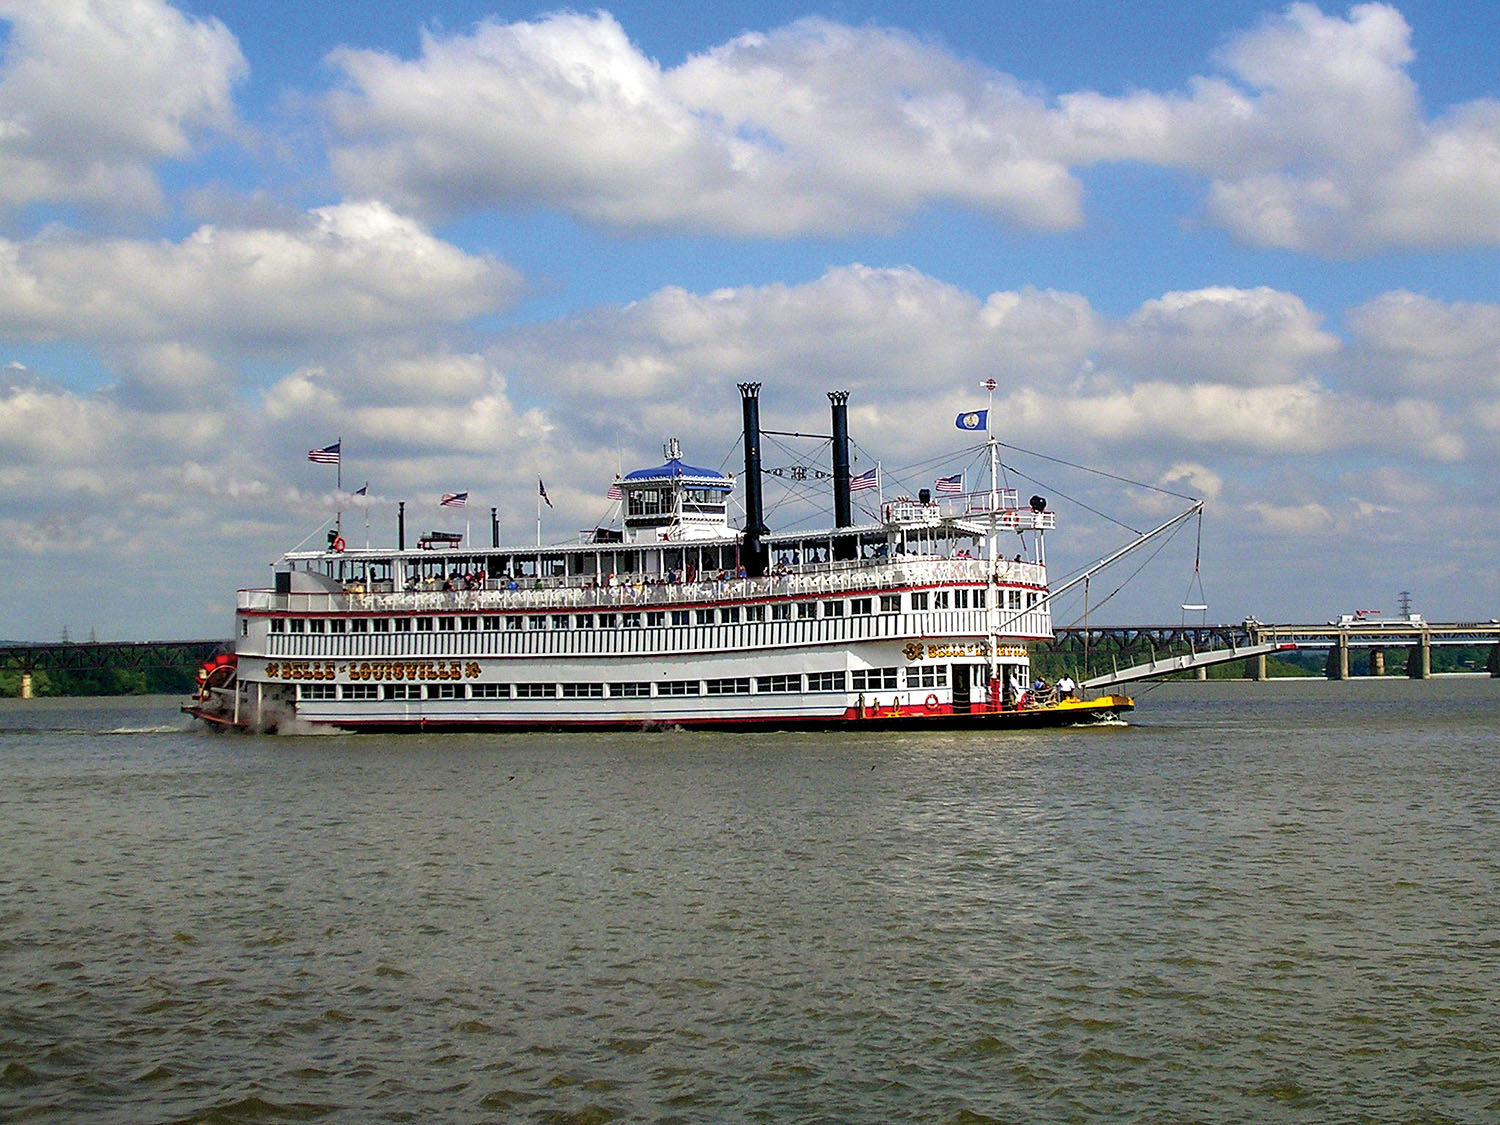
630	591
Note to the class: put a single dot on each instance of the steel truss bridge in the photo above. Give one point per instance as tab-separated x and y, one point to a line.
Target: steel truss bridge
1180	648
96	656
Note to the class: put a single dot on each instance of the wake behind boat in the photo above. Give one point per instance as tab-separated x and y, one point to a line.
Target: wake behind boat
918	619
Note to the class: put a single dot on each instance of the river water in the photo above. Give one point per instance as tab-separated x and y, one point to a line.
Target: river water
1257	902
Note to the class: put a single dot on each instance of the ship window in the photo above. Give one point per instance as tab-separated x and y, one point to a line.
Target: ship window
919	601
778	683
316	691
402	624
781	611
732	686
979	599
585	621
655	619
730	615
536	691
513	622
833	609
630	620
807	609
336	625
755	613
315	625
446	691
636	689
940	599
244	626
705	616
872	679
278	625
424	624
861	606
297	625
359	625
927	676
492	624
607	621
583	691
960	599
677	687
471	624
402	691
825	681
680	617
560	621
447	624
380	625
490	691
890	603
361	691
536	621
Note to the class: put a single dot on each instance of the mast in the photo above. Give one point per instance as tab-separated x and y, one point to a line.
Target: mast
992	547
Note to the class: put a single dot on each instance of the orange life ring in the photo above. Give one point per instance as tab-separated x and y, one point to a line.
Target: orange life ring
932	702
338	542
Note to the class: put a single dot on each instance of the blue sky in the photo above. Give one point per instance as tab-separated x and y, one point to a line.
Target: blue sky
1242	250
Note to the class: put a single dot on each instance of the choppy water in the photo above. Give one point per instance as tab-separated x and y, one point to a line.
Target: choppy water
1258	902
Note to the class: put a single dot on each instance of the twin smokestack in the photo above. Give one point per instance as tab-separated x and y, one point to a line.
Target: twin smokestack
753	550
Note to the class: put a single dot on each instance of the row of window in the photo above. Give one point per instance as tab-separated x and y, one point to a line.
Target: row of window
921	601
923	678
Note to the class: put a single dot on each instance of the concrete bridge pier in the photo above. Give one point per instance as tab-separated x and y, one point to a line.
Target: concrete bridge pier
1493	663
1255	667
1419	659
1377	660
26	689
1338	659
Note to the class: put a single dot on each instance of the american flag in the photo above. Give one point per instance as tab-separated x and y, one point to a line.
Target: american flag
951	486
453	500
328	455
615	491
865	481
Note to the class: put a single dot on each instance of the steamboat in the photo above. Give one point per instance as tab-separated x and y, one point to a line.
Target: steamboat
919	617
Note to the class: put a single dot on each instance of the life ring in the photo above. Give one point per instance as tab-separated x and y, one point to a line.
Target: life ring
932	702
338	543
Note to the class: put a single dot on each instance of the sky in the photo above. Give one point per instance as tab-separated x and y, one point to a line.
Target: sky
1238	251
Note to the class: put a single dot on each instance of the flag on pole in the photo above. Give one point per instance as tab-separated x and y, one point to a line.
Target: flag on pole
541	491
453	500
364	490
328	455
973	420
615	491
950	486
865	481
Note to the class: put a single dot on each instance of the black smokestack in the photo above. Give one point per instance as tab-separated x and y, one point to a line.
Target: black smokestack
401	526
843	508
752	551
494	527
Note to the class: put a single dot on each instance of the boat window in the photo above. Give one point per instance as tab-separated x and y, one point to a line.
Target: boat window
447	624
677	687
680	617
359	625
833	609
607	621
636	689
979	599
765	684
583	691
890	603
940	599
402	624
807	609
424	624
492	624
825	681
730	615
873	679
380	625
336	625
278	625
927	676
536	621
781	611
630	620
402	691
561	621
960	599
513	622
536	691
919	600
585	621
861	606
446	691
705	616
471	624
489	691
316	691
655	619
755	613
316	625
733	686
244	626
360	691
297	625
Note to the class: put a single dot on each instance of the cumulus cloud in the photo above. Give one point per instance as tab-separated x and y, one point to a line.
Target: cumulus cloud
1430	346
348	270
1311	139
93	93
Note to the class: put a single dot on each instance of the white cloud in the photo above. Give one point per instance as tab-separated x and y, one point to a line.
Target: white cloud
349	270
1313	140
94	92
1430	346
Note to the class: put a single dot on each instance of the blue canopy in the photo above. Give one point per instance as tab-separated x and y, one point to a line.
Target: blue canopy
675	469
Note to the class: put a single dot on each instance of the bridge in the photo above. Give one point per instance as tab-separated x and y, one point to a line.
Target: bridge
1180	648
94	656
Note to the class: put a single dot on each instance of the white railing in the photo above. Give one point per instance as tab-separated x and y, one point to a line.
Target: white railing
632	591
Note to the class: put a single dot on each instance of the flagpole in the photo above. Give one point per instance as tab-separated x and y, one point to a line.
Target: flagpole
538	511
338	519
